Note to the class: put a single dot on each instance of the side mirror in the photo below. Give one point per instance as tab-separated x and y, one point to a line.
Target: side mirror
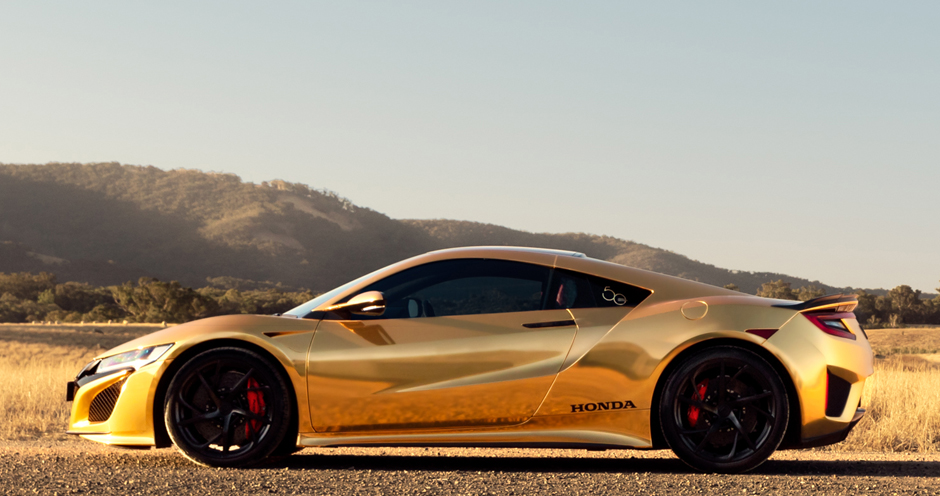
368	303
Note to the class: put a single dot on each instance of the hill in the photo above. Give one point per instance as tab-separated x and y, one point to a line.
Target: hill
107	223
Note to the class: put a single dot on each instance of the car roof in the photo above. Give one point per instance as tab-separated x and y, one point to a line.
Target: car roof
514	249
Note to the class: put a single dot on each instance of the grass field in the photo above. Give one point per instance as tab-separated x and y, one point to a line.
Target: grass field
903	403
902	398
33	387
35	364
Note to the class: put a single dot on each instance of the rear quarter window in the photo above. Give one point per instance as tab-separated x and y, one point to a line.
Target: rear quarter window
571	289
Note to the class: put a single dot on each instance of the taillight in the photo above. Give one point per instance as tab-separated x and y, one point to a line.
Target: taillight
832	323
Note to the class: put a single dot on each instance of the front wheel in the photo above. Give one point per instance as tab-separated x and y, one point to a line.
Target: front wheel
227	407
724	410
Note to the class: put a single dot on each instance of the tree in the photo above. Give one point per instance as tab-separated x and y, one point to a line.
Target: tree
933	316
105	312
732	286
867	309
894	321
905	300
806	293
81	298
155	301
26	286
263	302
13	309
777	289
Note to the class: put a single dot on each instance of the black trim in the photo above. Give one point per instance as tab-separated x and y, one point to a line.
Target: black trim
495	444
826	440
315	315
859	413
557	323
88	369
77	433
70	389
94	377
818	302
837	394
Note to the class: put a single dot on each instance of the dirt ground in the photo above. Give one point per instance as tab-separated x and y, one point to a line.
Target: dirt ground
83	467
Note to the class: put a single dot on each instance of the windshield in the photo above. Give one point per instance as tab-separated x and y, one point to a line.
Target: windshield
302	310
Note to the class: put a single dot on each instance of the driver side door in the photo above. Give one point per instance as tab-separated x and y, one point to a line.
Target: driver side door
461	343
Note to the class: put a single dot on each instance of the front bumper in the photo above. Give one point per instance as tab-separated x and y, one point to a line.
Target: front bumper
115	408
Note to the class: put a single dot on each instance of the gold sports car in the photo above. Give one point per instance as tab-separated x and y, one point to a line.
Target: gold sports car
492	346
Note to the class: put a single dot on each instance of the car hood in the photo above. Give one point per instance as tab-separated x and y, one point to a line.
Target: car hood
231	325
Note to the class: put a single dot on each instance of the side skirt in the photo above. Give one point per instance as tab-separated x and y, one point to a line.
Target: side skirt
530	439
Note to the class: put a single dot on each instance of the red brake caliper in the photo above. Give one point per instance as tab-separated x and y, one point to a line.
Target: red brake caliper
255	404
699	395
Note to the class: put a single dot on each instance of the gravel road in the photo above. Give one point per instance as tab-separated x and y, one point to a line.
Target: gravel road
77	467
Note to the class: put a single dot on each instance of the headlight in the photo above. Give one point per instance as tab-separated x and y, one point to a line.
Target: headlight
133	358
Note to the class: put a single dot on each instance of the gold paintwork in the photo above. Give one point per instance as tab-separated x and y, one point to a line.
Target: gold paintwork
287	340
486	379
435	371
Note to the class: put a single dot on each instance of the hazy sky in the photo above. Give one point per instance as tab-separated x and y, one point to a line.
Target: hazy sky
801	138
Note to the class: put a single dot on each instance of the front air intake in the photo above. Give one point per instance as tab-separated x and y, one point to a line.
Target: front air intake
103	404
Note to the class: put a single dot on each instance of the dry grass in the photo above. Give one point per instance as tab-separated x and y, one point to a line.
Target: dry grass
904	341
903	403
35	364
903	397
33	387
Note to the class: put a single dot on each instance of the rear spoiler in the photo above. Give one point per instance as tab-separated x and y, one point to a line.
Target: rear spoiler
836	303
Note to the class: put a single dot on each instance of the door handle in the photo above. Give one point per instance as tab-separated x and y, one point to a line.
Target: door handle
557	323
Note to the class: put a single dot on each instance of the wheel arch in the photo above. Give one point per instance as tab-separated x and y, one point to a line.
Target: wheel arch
794	423
162	438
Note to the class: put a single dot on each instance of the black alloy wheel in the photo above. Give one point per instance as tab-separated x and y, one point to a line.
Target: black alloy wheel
724	410
228	407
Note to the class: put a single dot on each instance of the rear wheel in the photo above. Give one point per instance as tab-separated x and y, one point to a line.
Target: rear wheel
724	410
228	407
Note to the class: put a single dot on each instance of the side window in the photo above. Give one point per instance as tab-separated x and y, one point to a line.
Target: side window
462	287
571	289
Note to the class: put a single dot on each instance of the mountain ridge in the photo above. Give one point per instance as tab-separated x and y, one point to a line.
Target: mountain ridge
106	223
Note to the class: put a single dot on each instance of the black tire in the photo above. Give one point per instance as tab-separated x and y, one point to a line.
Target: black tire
228	407
724	410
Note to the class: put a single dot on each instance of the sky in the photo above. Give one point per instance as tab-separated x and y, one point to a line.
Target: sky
791	137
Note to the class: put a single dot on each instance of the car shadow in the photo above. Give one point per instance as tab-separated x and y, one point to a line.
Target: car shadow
597	465
892	468
479	464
